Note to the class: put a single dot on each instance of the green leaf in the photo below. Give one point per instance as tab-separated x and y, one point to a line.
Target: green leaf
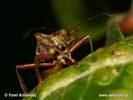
114	33
106	71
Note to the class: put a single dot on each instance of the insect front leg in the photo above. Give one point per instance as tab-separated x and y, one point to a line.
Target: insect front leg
37	65
29	66
23	67
21	81
79	43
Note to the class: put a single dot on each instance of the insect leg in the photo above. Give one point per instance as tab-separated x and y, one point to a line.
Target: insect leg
69	58
29	66
37	64
38	75
81	42
21	81
32	65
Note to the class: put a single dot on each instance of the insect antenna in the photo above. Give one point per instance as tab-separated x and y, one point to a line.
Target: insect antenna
37	29
91	18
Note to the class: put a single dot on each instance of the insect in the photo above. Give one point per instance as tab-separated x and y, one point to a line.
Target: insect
53	51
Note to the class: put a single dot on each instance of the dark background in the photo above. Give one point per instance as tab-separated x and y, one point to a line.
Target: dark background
18	19
30	15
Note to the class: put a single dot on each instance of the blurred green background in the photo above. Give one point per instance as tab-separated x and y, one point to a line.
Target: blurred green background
69	13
